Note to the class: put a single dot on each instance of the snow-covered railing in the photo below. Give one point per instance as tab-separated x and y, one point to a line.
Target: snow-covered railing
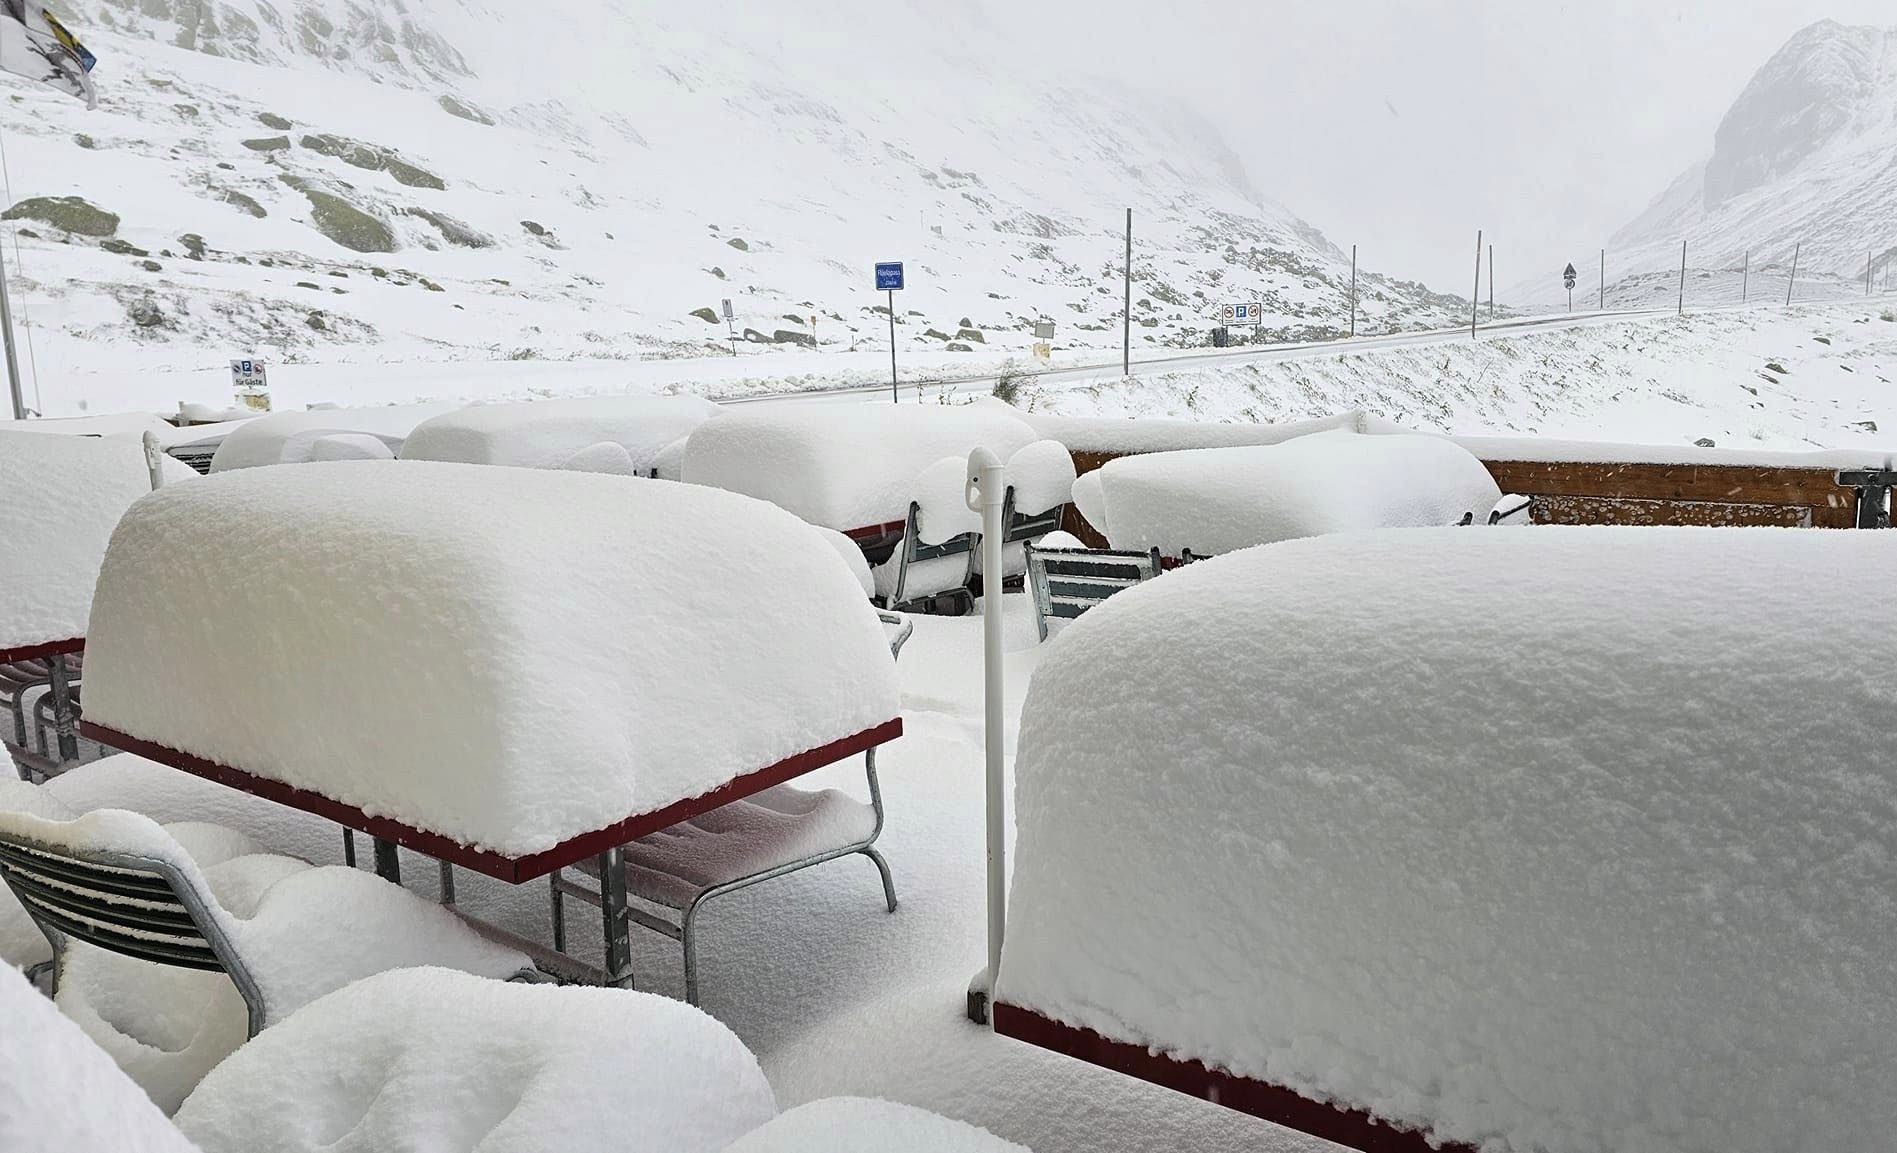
1552	840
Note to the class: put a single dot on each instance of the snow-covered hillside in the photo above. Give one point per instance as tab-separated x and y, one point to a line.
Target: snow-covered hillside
1810	376
332	180
1803	159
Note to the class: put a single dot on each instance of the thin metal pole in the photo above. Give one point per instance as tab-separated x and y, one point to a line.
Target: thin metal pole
893	394
1475	300
388	861
1682	278
61	689
13	359
1793	282
986	495
1492	284
1126	339
1603	303
1353	290
1745	277
1870	260
615	928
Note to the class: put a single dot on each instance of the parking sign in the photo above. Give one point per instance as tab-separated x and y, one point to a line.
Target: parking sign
1251	313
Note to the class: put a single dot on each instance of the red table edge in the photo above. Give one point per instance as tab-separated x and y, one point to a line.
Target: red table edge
1355	1128
44	649
875	531
514	870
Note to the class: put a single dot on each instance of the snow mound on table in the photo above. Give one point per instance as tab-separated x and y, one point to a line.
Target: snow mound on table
424	1058
62	497
291	437
605	457
350	446
547	433
862	1125
502	656
1220	499
60	1094
844	467
118	424
1572	839
670	463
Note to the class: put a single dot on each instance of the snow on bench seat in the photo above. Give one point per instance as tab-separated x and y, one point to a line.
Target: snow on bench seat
60	497
549	433
1217	500
292	437
1572	839
844	467
429	1059
506	658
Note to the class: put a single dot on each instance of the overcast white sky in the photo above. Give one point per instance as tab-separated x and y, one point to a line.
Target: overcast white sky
1404	125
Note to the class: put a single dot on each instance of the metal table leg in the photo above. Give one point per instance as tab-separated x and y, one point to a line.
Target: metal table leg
62	708
388	865
614	924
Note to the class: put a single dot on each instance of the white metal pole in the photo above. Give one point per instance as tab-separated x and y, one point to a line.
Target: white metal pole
985	494
6	337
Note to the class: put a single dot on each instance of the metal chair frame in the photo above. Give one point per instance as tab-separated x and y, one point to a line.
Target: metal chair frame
684	928
57	707
1068	582
1019	528
139	906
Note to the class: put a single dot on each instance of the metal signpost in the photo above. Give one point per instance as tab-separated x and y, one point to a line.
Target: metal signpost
1252	314
1043	333
1568	276
251	385
730	328
889	279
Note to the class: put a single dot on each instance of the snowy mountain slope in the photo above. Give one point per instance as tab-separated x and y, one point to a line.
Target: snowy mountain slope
1775	378
447	179
1806	157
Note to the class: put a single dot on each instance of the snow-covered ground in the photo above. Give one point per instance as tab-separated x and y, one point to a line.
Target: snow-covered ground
1766	377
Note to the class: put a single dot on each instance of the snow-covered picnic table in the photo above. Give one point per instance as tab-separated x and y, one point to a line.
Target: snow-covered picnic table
507	669
1557	840
853	469
296	437
1216	500
551	433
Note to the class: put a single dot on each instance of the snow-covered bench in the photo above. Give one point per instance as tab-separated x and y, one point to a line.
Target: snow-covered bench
758	838
1578	838
60	497
293	437
509	670
552	433
1218	500
1067	579
854	468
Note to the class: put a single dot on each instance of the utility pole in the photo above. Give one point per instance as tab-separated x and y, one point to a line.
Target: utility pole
1745	277
1126	337
1870	261
13	360
1793	282
1353	290
1603	304
1475	299
1491	282
1682	278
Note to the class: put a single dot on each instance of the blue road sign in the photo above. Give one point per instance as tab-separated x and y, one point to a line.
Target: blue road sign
889	276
